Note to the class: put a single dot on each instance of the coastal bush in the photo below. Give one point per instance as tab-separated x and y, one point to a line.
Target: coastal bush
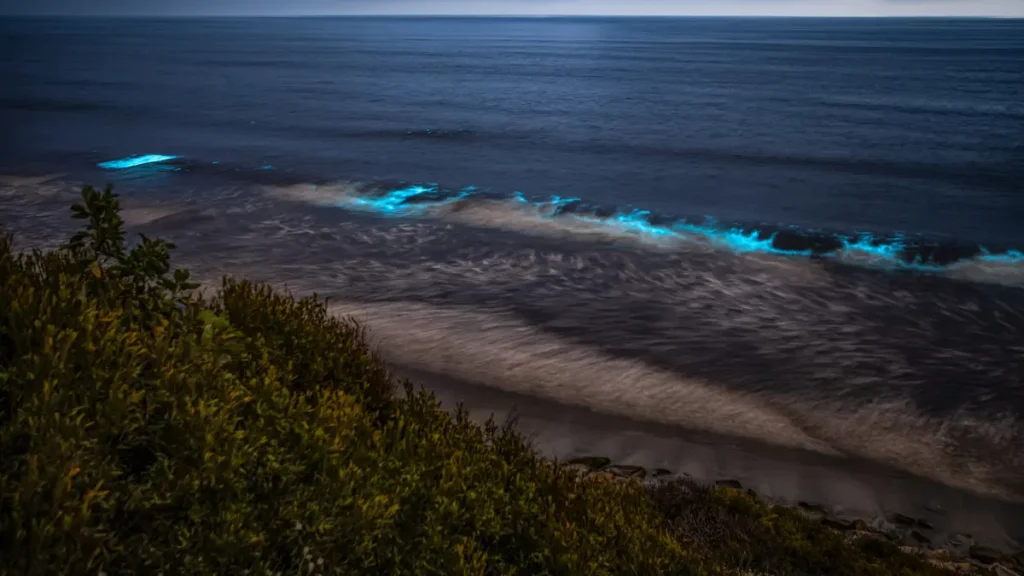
739	531
148	429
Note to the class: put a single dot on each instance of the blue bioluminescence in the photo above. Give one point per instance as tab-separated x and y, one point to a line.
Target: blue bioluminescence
893	251
633	221
399	202
133	161
739	240
866	243
392	201
1008	257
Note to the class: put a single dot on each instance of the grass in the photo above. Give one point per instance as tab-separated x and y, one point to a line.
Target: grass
146	429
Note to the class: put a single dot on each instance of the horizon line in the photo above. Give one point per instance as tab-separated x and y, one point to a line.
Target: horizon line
524	16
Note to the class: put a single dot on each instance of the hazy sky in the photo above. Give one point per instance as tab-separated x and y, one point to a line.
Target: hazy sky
538	7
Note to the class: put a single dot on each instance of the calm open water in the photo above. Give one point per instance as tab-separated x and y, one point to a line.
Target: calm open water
803	232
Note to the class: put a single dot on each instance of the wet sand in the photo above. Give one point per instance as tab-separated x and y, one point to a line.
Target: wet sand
845	486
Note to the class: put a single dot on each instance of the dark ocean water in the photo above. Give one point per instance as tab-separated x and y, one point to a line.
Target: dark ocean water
804	232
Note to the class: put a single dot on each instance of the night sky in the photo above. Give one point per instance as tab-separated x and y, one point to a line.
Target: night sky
1014	8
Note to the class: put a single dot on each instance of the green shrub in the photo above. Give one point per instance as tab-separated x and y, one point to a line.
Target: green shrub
739	531
145	430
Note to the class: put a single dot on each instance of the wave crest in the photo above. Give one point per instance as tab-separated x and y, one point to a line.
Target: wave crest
569	216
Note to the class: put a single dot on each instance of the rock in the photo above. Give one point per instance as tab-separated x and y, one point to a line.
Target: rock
902	520
729	483
659	472
592	462
1018	558
910	550
870	535
622	471
837	524
986	555
961	542
925	524
919	539
1001	570
815	508
861	525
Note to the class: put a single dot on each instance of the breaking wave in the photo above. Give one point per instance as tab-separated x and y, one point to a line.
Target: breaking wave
570	216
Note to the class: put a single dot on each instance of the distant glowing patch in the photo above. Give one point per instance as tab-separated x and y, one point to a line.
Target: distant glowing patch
133	161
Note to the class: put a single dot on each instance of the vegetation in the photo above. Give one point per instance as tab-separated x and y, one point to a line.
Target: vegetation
737	530
147	429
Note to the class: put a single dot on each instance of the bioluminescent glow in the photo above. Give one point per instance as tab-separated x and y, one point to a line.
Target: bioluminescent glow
404	201
868	244
889	252
393	201
1008	257
133	161
634	221
739	240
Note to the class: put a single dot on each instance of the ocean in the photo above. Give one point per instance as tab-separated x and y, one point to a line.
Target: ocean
801	234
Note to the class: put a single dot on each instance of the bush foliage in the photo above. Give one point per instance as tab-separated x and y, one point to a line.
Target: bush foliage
146	429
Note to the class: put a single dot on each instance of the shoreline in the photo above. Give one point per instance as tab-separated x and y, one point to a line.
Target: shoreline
843	487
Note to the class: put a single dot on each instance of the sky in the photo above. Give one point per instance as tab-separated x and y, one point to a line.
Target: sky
999	8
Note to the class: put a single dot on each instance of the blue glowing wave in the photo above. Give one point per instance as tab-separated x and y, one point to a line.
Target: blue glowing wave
133	161
893	251
405	201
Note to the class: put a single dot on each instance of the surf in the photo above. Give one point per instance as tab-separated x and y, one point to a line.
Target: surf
572	216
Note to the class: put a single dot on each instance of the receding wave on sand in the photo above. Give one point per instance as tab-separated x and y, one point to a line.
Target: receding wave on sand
501	352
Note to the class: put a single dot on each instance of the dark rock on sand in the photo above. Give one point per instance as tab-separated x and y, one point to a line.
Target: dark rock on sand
908	522
838	524
986	555
919	539
729	483
815	508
